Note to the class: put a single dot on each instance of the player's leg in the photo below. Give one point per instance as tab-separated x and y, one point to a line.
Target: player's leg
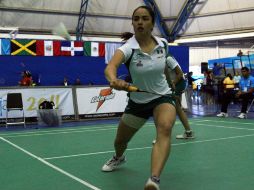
188	134
124	134
164	118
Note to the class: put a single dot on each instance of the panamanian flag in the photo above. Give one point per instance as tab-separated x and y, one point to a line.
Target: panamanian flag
72	48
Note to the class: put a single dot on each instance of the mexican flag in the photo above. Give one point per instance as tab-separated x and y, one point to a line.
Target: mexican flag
48	48
94	49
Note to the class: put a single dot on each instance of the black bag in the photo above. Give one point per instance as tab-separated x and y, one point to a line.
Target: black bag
47	105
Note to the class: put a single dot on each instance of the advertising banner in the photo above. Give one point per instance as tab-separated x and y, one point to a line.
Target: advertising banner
100	101
32	97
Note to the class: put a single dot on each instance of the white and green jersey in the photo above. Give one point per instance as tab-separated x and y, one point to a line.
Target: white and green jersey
146	70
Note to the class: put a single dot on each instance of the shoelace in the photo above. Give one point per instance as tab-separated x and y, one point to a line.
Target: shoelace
188	134
112	160
155	179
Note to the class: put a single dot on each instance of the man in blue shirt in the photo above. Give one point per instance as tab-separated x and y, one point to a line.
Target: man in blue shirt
246	93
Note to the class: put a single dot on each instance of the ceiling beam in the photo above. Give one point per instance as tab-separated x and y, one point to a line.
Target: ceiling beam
81	19
191	19
182	18
112	16
158	18
61	12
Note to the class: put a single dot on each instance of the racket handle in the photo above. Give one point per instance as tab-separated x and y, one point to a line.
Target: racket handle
132	89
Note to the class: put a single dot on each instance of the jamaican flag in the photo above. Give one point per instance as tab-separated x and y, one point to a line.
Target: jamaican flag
23	47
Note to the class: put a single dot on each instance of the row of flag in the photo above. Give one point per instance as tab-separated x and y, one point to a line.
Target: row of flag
51	48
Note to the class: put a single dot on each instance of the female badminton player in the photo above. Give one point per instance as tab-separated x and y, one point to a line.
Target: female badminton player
147	66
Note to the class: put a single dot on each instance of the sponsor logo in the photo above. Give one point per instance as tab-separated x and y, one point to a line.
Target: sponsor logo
105	94
139	64
160	51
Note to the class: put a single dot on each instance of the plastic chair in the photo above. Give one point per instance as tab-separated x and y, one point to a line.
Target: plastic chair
14	102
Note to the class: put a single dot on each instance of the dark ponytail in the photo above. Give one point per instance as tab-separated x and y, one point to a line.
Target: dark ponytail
126	35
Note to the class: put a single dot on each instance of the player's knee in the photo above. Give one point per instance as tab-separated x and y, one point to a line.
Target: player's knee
165	128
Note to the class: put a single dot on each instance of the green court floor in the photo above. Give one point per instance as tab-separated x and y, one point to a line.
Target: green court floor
219	158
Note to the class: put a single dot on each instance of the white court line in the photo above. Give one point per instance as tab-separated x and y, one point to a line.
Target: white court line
227	127
142	148
220	121
58	133
78	128
105	128
92	153
51	165
66	130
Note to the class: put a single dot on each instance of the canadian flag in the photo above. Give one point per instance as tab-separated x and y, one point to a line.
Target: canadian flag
48	48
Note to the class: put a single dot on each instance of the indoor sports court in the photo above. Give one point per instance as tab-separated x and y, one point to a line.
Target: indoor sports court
71	157
126	95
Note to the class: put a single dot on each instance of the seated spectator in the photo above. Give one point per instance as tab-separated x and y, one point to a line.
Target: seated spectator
78	82
237	78
227	87
229	84
65	81
26	79
245	93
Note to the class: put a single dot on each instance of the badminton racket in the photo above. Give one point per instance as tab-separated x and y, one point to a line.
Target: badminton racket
61	30
131	88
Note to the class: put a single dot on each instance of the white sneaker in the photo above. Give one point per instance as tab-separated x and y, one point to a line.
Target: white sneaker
113	163
242	116
222	114
151	185
186	135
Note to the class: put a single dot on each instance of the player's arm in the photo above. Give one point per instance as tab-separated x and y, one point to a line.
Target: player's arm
179	74
168	78
111	71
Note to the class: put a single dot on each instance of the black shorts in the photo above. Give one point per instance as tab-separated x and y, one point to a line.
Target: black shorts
146	110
